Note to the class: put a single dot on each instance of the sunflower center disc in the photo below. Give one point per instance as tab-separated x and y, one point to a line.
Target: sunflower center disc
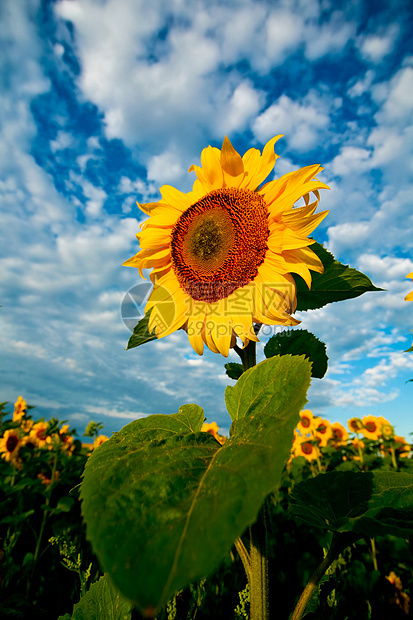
218	243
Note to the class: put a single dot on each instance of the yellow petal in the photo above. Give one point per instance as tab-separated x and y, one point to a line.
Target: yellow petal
306	225
175	198
211	164
231	160
162	218
264	166
194	330
148	207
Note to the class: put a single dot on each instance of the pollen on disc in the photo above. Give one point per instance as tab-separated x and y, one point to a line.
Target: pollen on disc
218	243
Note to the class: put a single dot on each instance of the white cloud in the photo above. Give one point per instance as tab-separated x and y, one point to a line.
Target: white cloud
387	368
360	86
186	84
304	122
62	141
165	168
283	34
397	108
244	104
112	412
375	47
328	38
351	159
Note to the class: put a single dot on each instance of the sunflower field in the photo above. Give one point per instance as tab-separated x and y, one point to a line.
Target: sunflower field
290	516
48	569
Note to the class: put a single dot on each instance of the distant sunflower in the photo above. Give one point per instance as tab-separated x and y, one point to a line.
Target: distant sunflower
20	409
305	425
303	447
372	426
339	433
322	431
355	425
222	254
10	444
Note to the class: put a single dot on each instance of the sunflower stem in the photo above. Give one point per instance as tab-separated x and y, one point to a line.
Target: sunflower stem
338	544
256	562
247	354
259	580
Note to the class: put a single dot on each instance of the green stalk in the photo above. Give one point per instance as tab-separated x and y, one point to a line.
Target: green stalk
374	553
256	562
338	544
43	524
393	457
259	582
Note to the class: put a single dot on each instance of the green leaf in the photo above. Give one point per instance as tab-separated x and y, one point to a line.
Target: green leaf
338	282
163	505
368	503
234	370
273	385
102	602
300	342
141	333
65	504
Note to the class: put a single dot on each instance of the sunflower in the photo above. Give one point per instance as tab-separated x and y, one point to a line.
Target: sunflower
222	254
20	408
339	434
409	297
302	446
355	425
305	425
39	435
322	431
99	440
372	426
213	429
10	444
402	447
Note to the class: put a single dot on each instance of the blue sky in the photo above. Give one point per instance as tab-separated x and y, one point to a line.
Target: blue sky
102	102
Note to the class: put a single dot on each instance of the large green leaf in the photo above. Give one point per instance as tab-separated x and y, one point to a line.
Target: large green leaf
367	503
163	505
270	386
338	282
141	333
300	342
102	602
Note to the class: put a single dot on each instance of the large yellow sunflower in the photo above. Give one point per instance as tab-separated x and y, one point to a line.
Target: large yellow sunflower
222	255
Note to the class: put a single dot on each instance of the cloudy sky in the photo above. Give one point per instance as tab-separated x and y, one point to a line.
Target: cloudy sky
104	101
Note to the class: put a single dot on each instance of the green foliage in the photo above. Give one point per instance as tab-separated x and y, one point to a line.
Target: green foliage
141	333
163	502
102	602
234	370
93	429
300	342
38	502
366	503
337	283
276	385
